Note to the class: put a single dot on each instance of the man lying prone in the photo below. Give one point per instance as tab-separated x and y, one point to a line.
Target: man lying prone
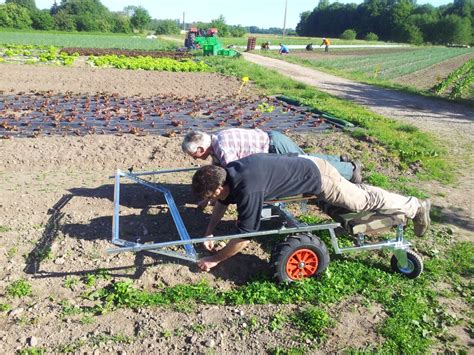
250	181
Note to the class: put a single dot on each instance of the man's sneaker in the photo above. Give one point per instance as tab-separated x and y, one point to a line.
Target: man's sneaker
422	220
357	172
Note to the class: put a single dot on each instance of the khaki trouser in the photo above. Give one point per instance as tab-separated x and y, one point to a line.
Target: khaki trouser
358	198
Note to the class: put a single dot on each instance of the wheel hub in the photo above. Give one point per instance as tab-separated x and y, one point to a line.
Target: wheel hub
302	263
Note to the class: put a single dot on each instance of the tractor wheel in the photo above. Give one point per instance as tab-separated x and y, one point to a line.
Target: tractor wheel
414	267
298	257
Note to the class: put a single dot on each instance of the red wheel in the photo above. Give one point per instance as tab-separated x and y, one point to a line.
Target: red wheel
298	257
302	263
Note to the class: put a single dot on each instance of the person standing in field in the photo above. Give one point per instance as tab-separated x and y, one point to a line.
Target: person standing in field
326	44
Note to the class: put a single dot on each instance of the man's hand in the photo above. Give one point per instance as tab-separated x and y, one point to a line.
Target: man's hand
209	245
207	263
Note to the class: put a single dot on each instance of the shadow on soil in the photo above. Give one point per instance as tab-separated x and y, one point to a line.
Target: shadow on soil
154	219
452	215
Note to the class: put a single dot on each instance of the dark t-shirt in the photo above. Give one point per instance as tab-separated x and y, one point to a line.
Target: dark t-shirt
261	177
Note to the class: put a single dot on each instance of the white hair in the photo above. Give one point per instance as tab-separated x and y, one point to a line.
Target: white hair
195	139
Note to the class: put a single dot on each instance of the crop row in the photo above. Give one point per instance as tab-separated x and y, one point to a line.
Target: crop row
392	65
459	79
128	53
149	63
86	40
30	54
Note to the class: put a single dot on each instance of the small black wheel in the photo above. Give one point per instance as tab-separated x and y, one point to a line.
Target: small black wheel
298	257
414	267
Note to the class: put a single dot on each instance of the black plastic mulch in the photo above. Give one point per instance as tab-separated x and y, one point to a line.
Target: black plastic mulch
41	114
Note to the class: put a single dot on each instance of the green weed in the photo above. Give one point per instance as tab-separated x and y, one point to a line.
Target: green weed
19	288
312	322
68	309
277	322
4	229
70	282
32	351
12	252
89	280
5	307
44	254
288	351
87	319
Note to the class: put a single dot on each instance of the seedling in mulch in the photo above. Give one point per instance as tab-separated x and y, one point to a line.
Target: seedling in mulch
19	288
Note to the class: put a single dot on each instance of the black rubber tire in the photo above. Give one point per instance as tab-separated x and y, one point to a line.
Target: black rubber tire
292	244
415	265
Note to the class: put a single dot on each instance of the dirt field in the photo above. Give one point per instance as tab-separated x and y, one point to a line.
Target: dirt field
56	192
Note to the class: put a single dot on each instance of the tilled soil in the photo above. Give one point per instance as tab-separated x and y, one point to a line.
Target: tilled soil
56	193
56	198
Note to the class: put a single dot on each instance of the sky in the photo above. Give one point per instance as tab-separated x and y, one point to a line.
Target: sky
261	13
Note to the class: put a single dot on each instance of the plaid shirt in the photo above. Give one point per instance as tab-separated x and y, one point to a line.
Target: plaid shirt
237	143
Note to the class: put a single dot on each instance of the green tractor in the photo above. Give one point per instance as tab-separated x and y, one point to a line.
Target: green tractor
208	41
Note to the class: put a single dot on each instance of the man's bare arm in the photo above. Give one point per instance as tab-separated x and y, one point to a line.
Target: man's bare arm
232	248
217	214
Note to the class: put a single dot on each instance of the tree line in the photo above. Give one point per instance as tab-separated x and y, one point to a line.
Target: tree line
72	15
391	20
93	16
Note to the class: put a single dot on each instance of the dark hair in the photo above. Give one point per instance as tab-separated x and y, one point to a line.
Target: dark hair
207	179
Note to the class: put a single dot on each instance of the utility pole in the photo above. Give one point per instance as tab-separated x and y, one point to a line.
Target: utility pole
284	19
184	23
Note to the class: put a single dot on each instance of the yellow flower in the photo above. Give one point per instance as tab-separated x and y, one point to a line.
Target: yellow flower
245	79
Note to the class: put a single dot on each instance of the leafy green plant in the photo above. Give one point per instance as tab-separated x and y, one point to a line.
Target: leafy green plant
265	107
148	63
19	288
453	77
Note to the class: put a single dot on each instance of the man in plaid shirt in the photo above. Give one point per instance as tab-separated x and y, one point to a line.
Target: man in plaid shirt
236	143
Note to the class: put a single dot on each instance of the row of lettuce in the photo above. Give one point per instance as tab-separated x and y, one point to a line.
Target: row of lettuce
32	54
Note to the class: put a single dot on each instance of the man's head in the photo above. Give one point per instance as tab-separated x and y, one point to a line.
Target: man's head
209	181
197	144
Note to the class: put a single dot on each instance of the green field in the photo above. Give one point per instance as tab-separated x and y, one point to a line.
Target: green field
275	40
85	40
385	65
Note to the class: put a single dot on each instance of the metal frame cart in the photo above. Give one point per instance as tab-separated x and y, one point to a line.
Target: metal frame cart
300	255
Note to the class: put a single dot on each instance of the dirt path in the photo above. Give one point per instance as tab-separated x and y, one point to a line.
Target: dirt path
452	123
